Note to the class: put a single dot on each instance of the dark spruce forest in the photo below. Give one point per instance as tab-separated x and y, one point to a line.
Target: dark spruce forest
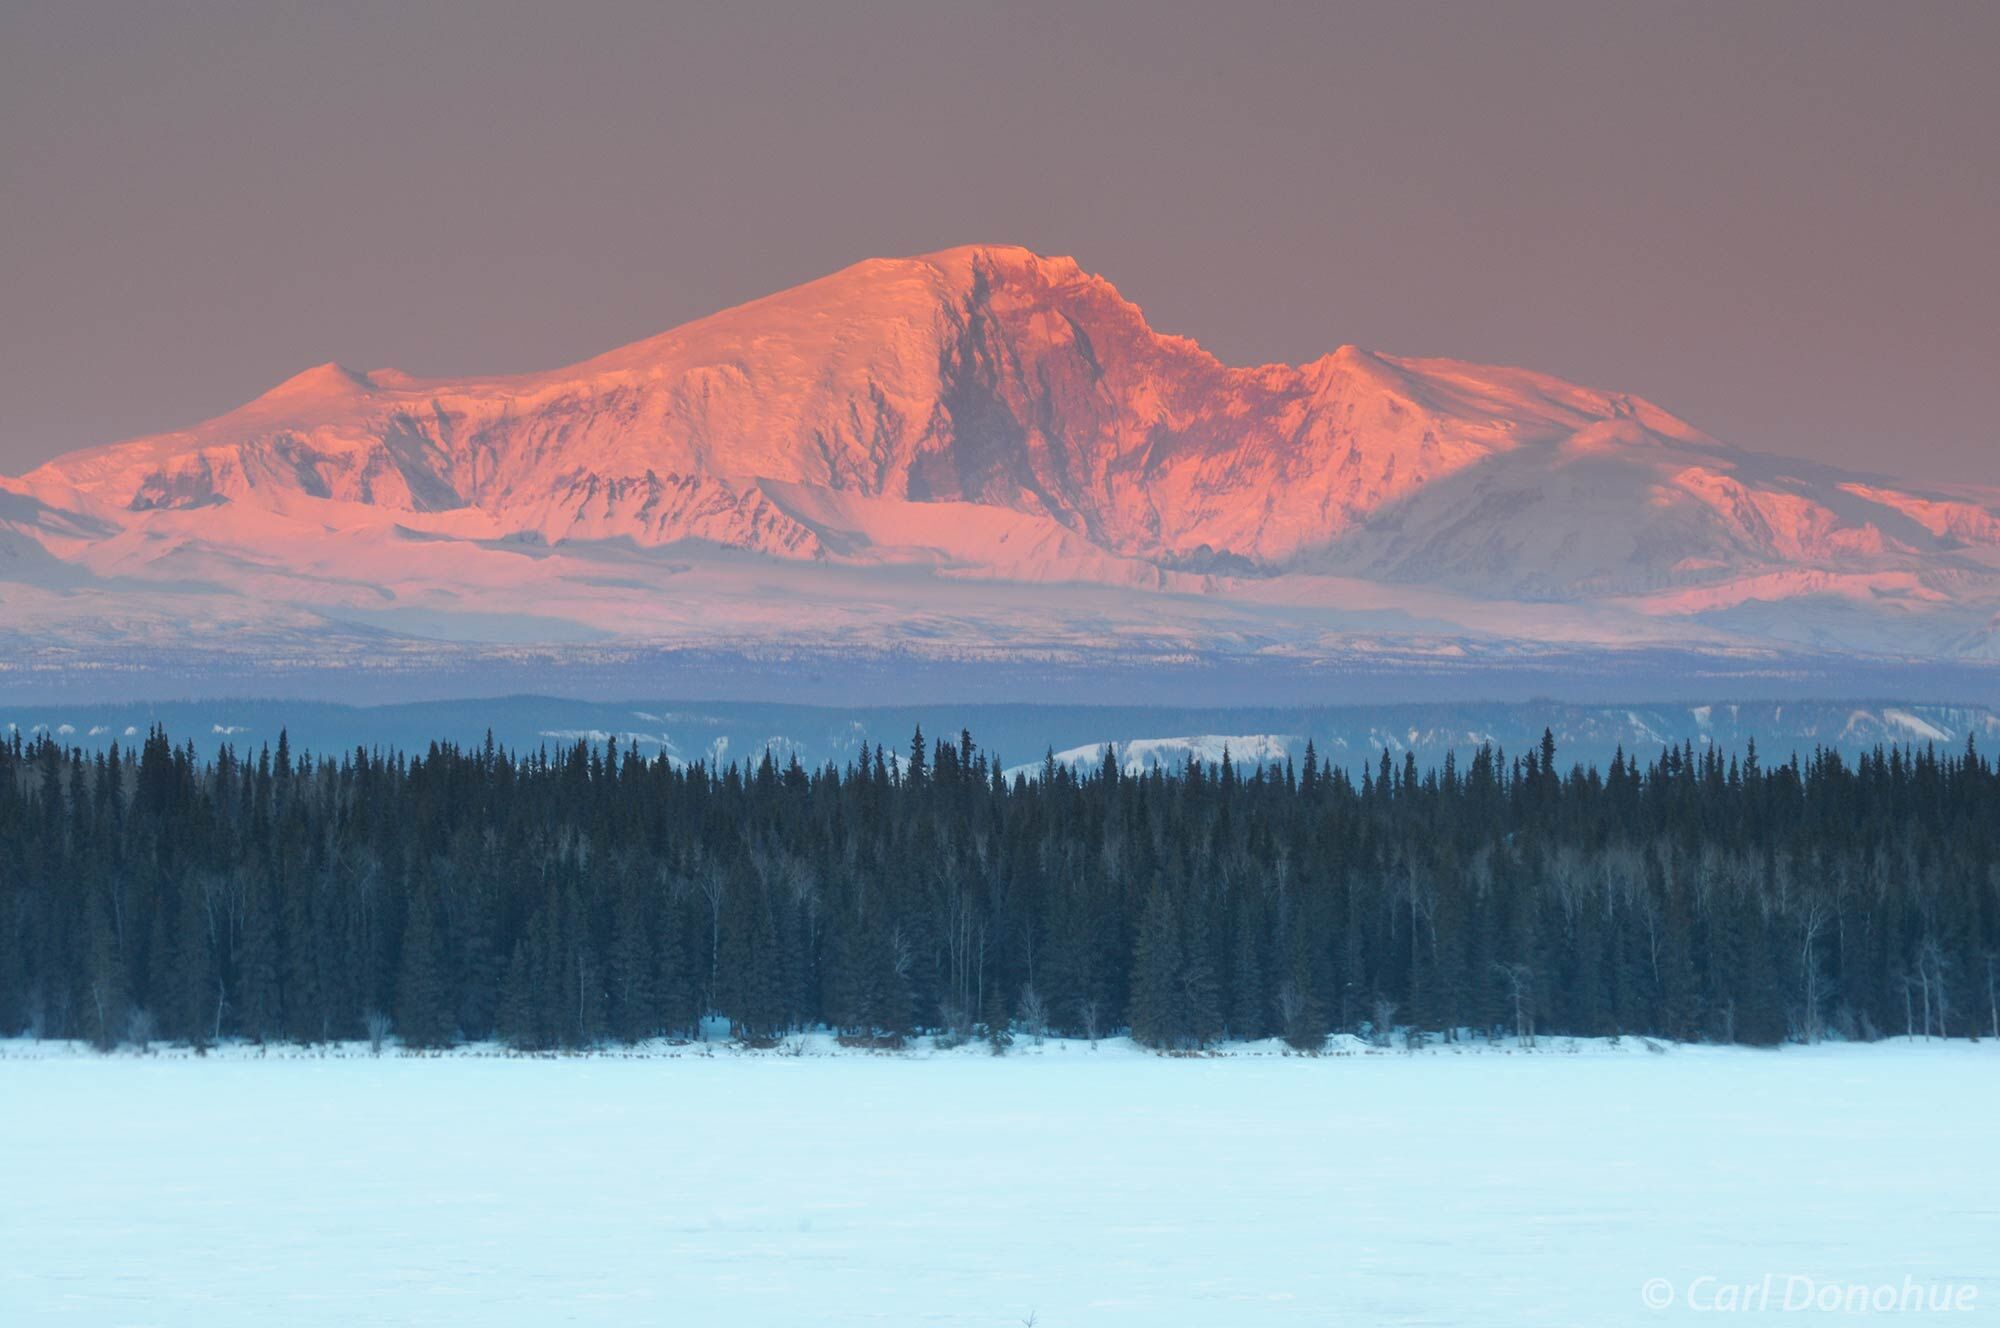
589	896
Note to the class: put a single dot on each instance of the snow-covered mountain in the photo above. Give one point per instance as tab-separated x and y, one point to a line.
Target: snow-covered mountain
982	449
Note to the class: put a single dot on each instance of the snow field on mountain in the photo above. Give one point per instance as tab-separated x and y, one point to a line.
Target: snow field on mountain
1059	1185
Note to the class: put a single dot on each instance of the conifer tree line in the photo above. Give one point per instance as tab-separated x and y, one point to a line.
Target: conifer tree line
590	896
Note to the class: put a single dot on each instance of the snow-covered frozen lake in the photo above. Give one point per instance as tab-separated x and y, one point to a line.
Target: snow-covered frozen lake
1057	1186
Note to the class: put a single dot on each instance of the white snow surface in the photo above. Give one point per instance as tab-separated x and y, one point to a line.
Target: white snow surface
1060	1185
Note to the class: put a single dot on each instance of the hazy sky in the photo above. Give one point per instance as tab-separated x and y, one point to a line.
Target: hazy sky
1780	220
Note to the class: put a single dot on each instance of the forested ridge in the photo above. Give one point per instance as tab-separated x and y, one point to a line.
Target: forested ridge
591	895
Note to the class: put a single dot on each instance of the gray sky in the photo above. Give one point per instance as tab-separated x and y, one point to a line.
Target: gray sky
1778	220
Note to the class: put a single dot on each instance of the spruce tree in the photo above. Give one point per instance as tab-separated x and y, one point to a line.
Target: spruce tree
634	1004
422	1011
1247	1018
519	1025
999	1026
193	995
1199	1012
255	1000
105	985
1155	1011
1299	1006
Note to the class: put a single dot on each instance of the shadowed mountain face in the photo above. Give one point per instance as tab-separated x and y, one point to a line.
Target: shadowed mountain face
985	449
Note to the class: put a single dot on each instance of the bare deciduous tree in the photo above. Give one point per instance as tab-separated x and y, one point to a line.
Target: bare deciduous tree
710	884
1815	917
1034	1014
1929	981
1993	991
1090	1013
1385	1021
139	1028
1520	981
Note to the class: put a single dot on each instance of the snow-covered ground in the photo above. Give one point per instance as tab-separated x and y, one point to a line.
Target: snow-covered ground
1057	1186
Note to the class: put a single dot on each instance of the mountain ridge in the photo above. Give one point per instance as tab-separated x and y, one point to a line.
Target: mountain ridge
985	414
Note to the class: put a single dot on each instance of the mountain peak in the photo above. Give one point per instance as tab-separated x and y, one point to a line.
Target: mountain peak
997	255
960	267
330	381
